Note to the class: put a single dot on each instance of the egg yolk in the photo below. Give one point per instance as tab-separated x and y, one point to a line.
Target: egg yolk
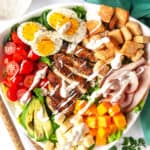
45	46
29	30
58	20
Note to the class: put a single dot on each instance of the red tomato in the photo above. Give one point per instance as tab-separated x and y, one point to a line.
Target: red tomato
32	56
7	59
10	48
7	82
17	80
20	54
12	93
12	68
16	39
26	67
41	65
28	80
44	83
21	92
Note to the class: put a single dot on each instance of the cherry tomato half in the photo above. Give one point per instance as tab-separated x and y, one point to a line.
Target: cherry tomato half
12	68
26	67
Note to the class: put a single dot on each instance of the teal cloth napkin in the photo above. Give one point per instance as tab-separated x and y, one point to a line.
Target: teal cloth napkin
139	9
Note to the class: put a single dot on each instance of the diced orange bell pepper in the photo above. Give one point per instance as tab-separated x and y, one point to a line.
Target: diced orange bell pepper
104	121
93	131
120	121
100	140
91	121
91	111
114	109
79	105
103	108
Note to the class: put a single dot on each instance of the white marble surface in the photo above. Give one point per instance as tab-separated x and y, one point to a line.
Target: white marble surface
5	140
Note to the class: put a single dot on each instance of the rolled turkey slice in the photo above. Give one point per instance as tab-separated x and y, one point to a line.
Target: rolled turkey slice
129	67
142	90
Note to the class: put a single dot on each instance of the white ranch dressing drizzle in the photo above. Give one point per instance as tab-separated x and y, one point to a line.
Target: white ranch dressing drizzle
116	63
40	116
52	92
38	76
67	101
71	47
94	44
79	50
65	90
64	28
124	79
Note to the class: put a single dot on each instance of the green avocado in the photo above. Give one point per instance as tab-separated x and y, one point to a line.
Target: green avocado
35	120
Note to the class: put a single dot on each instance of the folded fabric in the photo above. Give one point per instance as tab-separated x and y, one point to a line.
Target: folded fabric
139	9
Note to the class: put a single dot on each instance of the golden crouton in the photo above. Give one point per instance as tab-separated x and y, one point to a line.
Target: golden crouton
142	39
130	48
104	54
126	33
104	70
93	38
94	27
113	22
117	35
138	55
98	65
106	13
134	27
113	44
122	16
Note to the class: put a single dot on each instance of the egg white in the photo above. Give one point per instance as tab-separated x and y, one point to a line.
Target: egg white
53	36
79	35
20	31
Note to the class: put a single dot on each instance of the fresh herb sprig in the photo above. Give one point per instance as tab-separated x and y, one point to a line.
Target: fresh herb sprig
130	143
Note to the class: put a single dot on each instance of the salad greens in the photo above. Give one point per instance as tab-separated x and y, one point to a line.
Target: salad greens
8	36
55	126
129	143
46	60
115	136
38	93
42	19
81	12
139	107
89	92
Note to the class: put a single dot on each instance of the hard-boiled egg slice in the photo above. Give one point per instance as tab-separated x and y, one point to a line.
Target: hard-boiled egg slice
27	30
67	24
46	43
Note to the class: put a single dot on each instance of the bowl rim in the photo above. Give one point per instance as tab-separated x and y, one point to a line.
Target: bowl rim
38	12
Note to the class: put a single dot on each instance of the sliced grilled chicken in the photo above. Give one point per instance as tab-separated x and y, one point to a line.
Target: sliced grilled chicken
84	53
79	64
83	85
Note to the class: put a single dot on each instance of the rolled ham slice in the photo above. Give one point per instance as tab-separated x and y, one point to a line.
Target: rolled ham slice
142	90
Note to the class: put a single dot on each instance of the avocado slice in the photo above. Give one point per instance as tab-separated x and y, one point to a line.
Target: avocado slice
27	117
47	125
35	120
